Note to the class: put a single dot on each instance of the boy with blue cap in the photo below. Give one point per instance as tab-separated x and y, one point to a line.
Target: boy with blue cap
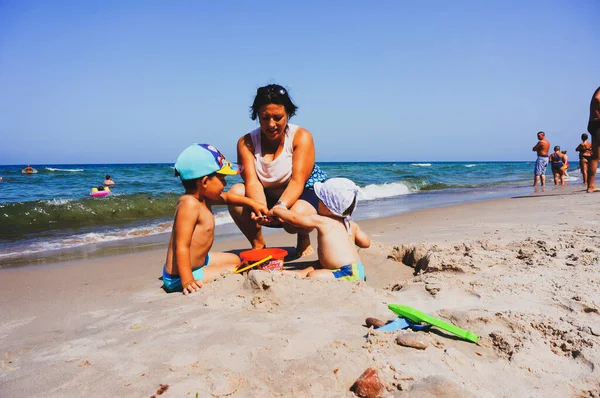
202	170
336	234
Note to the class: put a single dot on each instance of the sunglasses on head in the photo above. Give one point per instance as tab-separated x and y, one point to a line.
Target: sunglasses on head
272	90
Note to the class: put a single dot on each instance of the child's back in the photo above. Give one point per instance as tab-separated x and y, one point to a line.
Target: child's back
336	247
202	233
337	235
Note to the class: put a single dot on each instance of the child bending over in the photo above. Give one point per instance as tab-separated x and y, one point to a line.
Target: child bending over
337	235
202	169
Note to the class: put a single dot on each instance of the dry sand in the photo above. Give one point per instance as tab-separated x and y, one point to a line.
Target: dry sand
522	273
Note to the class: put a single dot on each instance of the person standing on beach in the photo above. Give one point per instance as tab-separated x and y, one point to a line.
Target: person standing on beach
585	155
594	130
279	169
542	148
557	160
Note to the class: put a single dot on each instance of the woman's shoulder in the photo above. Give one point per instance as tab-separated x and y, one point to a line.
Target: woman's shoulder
300	134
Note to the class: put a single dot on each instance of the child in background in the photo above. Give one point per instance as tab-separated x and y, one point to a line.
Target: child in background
202	170
337	235
565	167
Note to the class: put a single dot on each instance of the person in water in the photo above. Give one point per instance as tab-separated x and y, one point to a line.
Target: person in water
190	264
337	236
557	160
594	130
542	148
279	168
585	154
108	181
565	168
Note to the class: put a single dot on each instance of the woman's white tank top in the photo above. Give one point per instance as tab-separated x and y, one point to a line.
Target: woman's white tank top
275	175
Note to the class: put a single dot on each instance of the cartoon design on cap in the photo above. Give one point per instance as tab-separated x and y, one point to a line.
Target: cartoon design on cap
199	160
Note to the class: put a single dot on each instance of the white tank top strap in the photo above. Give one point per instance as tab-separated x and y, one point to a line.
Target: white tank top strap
274	175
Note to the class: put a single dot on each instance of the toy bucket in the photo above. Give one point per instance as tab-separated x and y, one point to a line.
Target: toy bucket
271	265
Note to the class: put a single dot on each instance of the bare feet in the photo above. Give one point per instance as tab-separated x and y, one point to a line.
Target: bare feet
303	247
592	189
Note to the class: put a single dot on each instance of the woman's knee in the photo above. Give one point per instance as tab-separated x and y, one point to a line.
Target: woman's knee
238	189
303	207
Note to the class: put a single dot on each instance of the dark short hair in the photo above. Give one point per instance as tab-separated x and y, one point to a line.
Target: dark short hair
542	133
272	94
584	136
189	185
107	177
556	148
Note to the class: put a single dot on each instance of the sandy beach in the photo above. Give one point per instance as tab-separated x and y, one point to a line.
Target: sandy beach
523	273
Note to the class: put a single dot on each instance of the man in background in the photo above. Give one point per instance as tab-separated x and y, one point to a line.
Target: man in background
594	130
542	148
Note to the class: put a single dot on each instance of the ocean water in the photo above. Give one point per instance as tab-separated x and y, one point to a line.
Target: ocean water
52	210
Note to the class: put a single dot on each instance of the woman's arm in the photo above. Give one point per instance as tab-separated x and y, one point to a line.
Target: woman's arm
245	158
303	162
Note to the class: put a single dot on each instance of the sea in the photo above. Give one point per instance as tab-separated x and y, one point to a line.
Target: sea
50	217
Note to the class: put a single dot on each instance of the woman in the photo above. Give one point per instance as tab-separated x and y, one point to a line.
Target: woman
557	160
279	168
585	154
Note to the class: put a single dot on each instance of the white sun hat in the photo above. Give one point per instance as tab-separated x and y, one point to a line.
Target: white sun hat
337	194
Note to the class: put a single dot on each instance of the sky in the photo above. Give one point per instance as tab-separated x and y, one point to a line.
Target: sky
138	81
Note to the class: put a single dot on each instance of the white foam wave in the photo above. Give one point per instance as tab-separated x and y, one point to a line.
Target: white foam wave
70	170
470	165
110	236
421	164
58	202
93	237
376	191
223	218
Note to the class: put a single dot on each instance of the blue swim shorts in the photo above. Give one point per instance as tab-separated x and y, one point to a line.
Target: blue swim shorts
172	283
350	272
540	166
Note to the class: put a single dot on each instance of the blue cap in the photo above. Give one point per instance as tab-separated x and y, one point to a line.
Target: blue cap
199	160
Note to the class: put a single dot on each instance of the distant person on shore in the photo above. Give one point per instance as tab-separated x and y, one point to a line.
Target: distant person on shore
278	160
542	148
108	181
585	154
557	161
594	130
565	168
337	236
202	170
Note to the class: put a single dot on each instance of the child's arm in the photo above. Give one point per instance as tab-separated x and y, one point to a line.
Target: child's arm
186	219
228	198
361	239
299	220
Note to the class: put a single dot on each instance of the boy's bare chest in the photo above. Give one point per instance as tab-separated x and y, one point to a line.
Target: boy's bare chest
205	226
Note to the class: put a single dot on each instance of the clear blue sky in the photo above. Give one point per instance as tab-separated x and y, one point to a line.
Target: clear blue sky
138	81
